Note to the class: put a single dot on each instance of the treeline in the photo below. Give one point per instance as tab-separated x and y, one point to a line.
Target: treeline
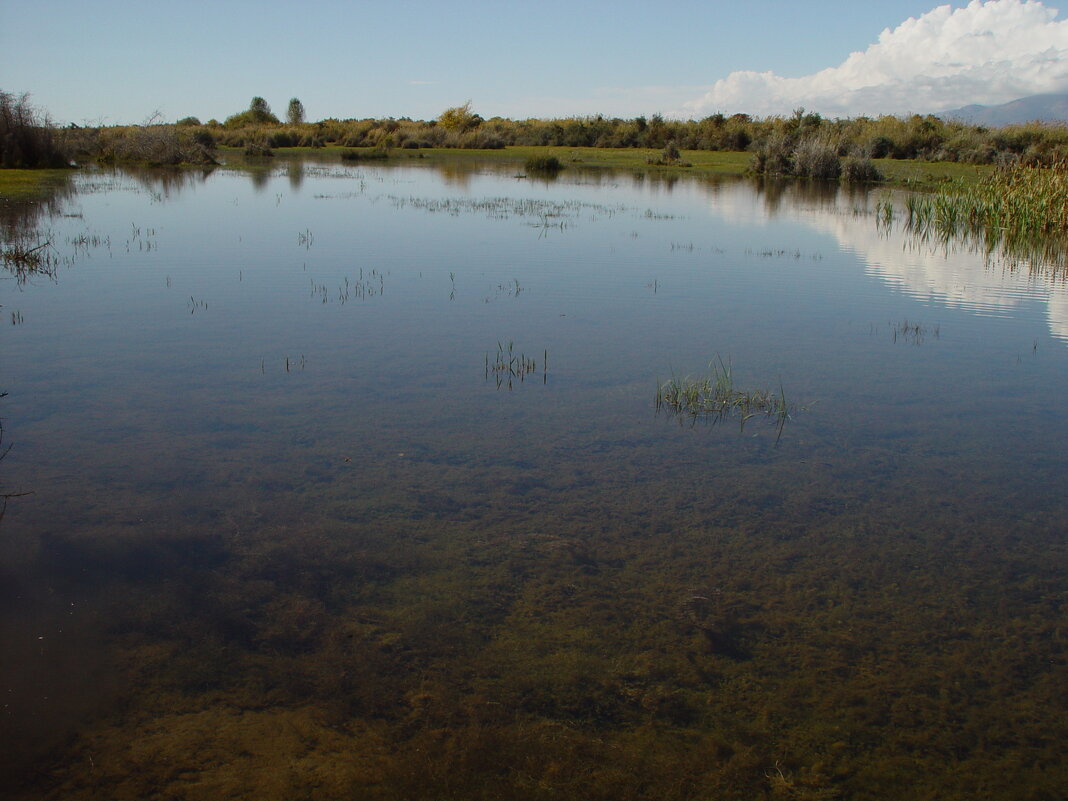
801	143
927	137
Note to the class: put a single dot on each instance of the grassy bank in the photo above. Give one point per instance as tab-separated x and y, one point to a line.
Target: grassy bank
929	174
29	184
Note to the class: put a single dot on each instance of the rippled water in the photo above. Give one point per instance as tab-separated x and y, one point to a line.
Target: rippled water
292	535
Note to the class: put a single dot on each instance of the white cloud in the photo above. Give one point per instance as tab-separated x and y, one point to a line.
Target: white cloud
988	52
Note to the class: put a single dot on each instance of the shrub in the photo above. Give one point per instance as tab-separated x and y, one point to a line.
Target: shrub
773	157
817	158
736	139
880	147
669	157
153	143
482	140
459	118
204	139
246	118
258	149
285	138
982	154
860	170
188	121
258	113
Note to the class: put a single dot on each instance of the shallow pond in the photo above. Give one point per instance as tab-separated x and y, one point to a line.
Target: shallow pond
297	530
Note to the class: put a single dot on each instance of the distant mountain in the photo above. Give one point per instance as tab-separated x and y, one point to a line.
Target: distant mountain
1043	108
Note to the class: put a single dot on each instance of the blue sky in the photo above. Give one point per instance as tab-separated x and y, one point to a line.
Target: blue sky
111	61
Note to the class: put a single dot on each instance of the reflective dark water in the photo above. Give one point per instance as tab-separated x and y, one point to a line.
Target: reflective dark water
291	535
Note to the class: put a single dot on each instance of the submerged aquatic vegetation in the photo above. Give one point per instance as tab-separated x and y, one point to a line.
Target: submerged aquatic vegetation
912	332
504	208
5	496
716	397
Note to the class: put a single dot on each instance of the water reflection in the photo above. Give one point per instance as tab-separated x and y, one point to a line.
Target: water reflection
260	175
165	183
295	173
20	219
457	175
955	273
27	249
776	193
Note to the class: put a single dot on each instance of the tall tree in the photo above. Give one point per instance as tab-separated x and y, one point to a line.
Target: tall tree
295	112
260	106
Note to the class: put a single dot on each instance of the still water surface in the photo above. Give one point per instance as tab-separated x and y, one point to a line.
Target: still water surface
292	536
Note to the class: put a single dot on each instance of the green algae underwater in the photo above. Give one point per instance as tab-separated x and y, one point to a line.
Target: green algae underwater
290	538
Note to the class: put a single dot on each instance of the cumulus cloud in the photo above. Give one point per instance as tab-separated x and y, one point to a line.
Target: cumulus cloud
987	52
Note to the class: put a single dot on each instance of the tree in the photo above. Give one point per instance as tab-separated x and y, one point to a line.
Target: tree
295	112
259	106
26	136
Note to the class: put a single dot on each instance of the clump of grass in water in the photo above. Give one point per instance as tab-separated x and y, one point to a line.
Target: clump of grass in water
715	396
509	365
913	333
543	165
25	261
376	153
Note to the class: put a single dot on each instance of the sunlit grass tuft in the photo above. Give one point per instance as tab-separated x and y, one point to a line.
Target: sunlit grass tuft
716	396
